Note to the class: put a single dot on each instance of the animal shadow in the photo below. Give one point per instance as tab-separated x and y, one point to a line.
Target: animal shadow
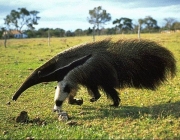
134	112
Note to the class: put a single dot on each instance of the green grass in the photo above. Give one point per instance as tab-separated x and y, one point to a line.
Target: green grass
142	114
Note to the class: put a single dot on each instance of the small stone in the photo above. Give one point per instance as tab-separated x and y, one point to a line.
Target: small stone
31	124
171	122
8	103
81	113
44	123
30	69
169	101
30	138
45	83
71	123
36	120
22	117
5	132
15	125
9	86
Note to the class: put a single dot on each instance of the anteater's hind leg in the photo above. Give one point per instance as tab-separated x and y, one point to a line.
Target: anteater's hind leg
110	91
94	93
72	100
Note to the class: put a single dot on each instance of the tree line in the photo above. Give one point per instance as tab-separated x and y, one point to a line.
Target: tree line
98	17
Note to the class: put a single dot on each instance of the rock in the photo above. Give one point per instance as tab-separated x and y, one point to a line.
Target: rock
30	69
22	117
5	132
8	103
36	120
44	123
30	138
71	123
45	83
82	113
9	86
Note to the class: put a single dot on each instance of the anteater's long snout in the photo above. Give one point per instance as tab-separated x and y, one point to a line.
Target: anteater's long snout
49	72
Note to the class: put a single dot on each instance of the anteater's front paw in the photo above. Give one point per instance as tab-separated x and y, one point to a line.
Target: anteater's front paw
79	101
76	101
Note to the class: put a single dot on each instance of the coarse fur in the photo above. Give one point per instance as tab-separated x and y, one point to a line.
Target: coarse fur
116	65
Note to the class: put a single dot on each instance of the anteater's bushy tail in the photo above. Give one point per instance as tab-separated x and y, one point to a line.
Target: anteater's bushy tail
142	64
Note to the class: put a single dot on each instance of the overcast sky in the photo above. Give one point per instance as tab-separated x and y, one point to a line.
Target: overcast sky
72	14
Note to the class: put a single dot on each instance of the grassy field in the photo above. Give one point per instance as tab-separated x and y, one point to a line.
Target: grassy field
143	114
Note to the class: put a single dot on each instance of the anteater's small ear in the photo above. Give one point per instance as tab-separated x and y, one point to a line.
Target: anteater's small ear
60	73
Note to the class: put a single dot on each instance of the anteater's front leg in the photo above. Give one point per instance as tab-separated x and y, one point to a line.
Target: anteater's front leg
94	93
72	100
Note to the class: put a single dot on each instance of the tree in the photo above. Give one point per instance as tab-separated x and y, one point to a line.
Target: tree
61	32
176	25
111	31
4	34
98	17
169	23
20	18
1	31
78	32
124	24
31	33
150	23
89	31
69	33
